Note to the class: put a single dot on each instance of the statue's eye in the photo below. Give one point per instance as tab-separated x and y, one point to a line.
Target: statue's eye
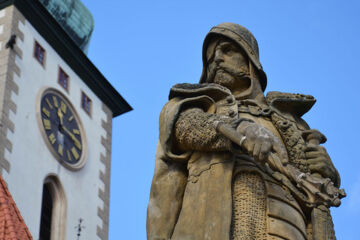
226	48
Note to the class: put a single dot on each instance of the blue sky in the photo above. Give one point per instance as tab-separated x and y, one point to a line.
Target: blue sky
144	47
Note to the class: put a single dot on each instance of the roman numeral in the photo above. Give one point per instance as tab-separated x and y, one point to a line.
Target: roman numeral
48	102
76	131
71	118
60	149
75	153
63	107
46	112
52	138
47	124
68	155
55	101
78	144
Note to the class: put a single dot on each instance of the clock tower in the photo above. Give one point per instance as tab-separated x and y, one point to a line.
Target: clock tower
56	112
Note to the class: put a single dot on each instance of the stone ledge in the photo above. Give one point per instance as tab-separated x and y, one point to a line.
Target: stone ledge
104	175
8	67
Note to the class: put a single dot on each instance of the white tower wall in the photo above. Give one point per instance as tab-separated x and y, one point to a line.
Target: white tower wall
25	158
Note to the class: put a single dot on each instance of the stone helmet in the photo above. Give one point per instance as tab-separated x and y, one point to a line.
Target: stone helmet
243	38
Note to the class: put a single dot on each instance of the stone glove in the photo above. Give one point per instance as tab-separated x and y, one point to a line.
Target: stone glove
259	142
319	162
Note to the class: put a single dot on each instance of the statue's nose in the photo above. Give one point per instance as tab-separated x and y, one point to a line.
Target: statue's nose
218	56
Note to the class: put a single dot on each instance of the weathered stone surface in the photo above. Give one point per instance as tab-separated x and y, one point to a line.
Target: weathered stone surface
234	164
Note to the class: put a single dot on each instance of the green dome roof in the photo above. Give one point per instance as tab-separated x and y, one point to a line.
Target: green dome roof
75	19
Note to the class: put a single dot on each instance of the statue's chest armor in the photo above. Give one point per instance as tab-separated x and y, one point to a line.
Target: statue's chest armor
284	127
230	107
254	193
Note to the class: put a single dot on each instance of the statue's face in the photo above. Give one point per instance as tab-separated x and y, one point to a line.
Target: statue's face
228	65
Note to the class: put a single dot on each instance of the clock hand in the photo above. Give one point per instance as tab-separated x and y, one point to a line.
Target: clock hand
72	136
60	115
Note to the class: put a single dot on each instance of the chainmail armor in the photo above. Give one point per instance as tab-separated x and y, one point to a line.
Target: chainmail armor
249	208
194	130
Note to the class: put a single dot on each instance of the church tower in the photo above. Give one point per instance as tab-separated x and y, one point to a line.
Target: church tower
56	112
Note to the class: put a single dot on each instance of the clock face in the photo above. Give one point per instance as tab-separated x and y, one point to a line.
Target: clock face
62	129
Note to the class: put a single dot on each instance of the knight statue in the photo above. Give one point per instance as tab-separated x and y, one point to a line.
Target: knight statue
234	164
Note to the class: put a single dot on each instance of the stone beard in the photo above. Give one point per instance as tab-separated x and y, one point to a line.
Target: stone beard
234	164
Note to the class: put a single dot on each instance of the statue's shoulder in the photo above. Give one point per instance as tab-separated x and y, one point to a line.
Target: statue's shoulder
185	95
294	103
187	90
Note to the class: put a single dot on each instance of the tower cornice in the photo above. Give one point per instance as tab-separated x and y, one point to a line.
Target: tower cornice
56	36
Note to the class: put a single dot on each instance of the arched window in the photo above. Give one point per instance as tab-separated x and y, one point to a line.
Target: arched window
53	210
46	214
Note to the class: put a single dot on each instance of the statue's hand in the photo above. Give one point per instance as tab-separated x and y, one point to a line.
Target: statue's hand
319	161
259	141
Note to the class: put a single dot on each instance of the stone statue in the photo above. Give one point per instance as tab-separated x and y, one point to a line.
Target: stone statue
234	164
